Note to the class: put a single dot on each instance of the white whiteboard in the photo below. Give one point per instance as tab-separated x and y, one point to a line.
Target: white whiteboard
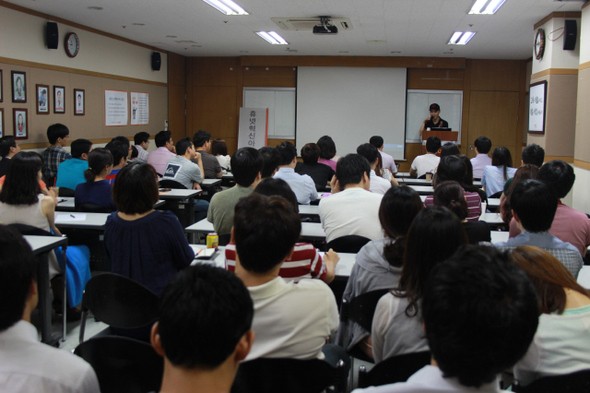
451	107
351	104
281	108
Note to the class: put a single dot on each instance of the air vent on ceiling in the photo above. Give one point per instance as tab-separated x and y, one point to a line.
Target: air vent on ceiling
307	24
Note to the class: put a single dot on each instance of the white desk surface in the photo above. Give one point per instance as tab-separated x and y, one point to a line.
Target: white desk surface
423	182
41	244
309	230
177	193
401	174
491	218
228	176
499	236
68	204
91	220
493	203
309	209
211	182
584	277
424	190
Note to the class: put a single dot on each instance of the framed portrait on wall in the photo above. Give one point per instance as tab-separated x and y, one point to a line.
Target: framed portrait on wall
21	123
19	86
79	102
537	107
1	88
1	122
42	100
59	99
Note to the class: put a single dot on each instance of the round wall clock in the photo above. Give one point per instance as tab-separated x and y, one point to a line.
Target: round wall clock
72	44
539	44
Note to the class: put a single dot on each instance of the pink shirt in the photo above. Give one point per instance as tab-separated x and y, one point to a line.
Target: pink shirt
159	159
330	163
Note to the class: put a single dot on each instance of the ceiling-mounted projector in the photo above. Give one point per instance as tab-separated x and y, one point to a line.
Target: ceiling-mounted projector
325	27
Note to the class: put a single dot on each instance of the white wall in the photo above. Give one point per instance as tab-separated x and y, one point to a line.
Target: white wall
585	37
555	56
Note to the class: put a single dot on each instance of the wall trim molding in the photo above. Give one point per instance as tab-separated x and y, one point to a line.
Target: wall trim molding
585	65
582	164
571	14
352	61
555	71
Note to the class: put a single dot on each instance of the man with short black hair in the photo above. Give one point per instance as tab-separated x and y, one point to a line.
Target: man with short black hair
320	173
28	365
302	185
272	160
387	161
142	142
480	314
534	205
533	154
70	173
120	152
165	151
246	165
202	142
482	145
58	135
204	330
378	184
125	141
8	148
351	209
427	163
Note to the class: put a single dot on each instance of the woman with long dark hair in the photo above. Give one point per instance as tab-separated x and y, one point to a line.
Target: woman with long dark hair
219	150
327	152
495	175
96	190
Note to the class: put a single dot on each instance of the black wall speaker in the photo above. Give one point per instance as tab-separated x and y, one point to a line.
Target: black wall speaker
570	34
52	35
156	61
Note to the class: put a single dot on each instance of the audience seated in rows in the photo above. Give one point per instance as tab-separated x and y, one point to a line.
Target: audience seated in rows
387	160
8	148
219	150
495	175
527	171
320	173
160	248
302	185
58	136
378	184
351	209
164	152
428	162
378	264
202	142
247	164
96	190
70	173
534	204
142	142
328	152
272	159
482	146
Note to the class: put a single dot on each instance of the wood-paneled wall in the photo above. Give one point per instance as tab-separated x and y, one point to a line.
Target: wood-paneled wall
176	96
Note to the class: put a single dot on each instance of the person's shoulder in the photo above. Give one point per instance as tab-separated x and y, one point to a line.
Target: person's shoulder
310	284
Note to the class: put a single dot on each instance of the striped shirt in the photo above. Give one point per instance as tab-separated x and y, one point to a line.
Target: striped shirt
306	262
473	205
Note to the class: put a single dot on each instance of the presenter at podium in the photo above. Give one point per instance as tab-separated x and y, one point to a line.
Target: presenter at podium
434	121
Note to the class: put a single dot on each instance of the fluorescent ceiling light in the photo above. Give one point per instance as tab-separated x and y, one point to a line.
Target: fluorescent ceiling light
460	38
272	37
486	7
228	7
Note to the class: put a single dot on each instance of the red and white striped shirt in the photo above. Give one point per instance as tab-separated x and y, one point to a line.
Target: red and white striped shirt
306	262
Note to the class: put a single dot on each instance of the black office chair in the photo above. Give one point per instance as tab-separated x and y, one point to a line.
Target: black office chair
93	208
392	370
578	382
168	183
122	364
224	239
496	195
123	304
350	243
269	375
66	192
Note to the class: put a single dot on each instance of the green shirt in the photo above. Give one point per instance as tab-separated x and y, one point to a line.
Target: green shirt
221	208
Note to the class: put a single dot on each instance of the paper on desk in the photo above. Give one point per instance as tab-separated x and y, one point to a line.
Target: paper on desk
70	217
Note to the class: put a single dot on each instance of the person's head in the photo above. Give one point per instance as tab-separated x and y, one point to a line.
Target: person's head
450	168
79	99
8	146
376	141
44	93
19	82
450	194
435	234
288	153
272	160
310	153
246	164
136	188
449	149
125	141
327	147
134	152
20	119
483	144
353	169
99	160
142	139
219	147
501	157
549	276
81	148
559	175
370	152
184	145
205	318
18	269
164	139
202	140
433	144
434	110
120	151
533	205
21	186
480	315
58	133
59	95
468	180
533	154
525	172
265	231
278	187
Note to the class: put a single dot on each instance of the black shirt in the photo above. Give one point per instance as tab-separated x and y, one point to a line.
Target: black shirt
477	231
320	173
4	166
431	125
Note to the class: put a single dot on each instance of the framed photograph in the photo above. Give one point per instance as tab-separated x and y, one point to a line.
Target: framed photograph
79	102
1	122
19	86
537	106
59	99
21	123
1	88
42	100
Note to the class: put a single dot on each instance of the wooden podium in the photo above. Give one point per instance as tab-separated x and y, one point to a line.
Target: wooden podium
444	136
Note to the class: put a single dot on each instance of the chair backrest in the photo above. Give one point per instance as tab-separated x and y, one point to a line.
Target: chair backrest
578	382
25	229
224	239
167	183
395	369
123	364
497	194
93	208
350	243
266	375
66	192
361	308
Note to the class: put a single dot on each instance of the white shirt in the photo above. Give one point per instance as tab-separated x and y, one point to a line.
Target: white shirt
26	365
302	185
142	154
388	162
378	184
479	162
292	320
354	211
425	163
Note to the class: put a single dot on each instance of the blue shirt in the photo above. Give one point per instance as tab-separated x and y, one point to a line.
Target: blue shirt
70	173
302	185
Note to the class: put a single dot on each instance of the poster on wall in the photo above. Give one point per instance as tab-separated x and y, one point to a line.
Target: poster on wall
538	104
253	130
140	108
115	108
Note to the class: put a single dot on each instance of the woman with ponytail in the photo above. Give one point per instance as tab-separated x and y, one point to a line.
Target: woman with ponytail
96	190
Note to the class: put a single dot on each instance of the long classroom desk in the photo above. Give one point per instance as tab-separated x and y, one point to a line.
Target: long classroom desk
67	204
309	230
80	220
423	182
